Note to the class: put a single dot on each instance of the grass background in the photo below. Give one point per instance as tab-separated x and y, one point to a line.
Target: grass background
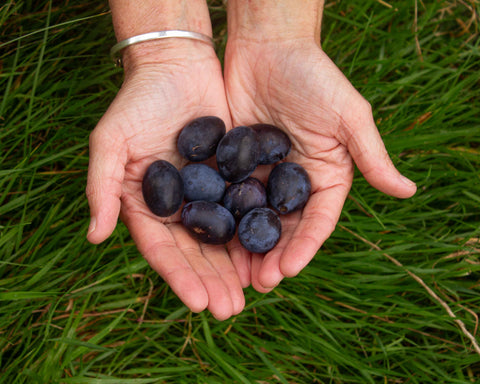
372	307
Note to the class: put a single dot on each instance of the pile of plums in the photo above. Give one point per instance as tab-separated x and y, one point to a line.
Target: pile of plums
219	201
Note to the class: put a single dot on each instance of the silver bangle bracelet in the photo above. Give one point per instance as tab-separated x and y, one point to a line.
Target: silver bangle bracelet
155	36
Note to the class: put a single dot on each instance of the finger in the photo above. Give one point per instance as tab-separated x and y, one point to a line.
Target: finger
317	223
270	275
367	149
220	261
159	247
257	261
241	259
104	184
220	302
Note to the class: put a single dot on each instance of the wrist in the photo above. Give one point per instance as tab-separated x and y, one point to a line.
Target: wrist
175	51
274	20
133	18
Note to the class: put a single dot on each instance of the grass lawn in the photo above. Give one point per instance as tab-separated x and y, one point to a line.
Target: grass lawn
392	297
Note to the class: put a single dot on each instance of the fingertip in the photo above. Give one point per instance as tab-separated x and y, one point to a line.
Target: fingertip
270	275
188	287
91	226
392	182
93	235
239	305
270	281
366	146
409	187
236	292
303	247
257	264
222	308
198	304
241	260
102	225
222	316
260	288
290	269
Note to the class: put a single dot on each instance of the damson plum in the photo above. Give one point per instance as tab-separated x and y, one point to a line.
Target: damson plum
202	182
259	230
238	153
244	196
208	222
274	143
288	187
162	188
198	140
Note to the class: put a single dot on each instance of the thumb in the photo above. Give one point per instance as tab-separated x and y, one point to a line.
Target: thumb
104	183
368	151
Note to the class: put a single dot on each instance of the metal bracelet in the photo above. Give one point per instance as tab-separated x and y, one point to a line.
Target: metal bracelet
155	36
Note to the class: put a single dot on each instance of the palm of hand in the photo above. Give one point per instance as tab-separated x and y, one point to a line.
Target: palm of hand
141	126
298	88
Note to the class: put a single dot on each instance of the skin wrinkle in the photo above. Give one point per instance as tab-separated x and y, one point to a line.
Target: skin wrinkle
219	261
91	190
241	260
208	273
362	110
192	254
170	75
258	97
351	141
375	169
273	21
111	178
139	110
329	158
141	126
129	208
304	80
310	123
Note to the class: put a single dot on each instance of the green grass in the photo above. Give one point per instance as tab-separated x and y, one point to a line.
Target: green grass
361	312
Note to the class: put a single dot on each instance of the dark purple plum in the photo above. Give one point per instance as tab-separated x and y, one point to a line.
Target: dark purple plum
274	143
244	196
259	230
238	153
162	188
202	182
208	222
288	187
198	139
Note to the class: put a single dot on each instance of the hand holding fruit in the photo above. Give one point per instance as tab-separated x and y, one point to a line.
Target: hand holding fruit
295	86
142	125
275	73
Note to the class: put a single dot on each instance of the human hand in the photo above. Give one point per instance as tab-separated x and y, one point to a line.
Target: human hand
292	84
141	125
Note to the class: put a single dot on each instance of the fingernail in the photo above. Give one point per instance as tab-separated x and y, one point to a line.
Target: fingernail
408	182
92	225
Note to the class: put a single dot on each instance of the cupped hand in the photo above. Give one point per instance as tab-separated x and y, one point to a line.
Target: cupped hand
141	125
295	86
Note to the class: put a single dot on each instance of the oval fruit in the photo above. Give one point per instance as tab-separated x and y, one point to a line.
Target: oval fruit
259	230
198	139
288	187
162	188
208	222
202	182
244	196
238	153
274	143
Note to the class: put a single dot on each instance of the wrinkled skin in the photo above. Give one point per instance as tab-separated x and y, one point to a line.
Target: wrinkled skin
294	85
291	84
142	125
